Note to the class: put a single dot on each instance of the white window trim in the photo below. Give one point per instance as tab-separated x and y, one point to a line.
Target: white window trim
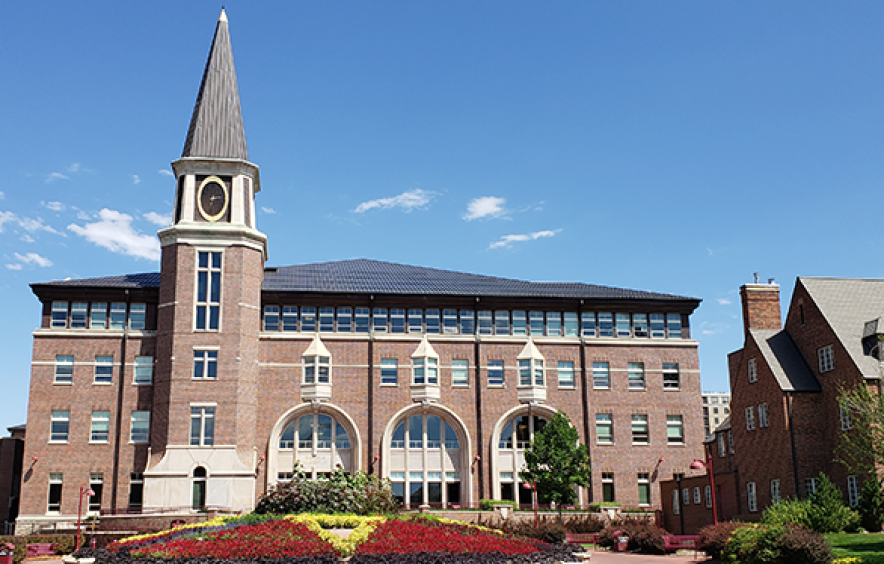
752	368
751	497
208	303
826	358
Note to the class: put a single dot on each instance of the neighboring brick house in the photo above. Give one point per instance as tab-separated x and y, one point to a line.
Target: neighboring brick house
785	422
11	452
203	384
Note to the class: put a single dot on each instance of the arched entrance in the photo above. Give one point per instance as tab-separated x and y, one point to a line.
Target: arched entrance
512	434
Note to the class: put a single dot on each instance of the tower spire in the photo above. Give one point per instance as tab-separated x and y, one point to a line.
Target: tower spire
216	127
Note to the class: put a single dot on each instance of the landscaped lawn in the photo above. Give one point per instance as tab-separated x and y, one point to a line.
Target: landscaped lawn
868	547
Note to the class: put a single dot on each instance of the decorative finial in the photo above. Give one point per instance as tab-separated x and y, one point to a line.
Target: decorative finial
223	16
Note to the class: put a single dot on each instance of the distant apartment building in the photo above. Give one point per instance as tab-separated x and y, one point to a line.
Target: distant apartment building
716	408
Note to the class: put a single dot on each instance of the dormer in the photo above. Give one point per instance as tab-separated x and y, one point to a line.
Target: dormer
532	375
425	373
316	374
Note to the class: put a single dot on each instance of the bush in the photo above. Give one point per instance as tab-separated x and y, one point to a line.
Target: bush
549	530
584	524
713	538
358	493
644	537
789	511
488	504
871	505
64	544
776	544
829	513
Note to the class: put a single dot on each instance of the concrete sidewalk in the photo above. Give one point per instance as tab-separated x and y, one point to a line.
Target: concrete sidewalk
605	557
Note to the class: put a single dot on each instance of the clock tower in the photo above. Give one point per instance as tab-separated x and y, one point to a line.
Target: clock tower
203	425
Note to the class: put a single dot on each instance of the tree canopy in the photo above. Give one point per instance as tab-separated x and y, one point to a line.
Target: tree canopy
861	448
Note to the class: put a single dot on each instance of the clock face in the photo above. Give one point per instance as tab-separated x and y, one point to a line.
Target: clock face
212	198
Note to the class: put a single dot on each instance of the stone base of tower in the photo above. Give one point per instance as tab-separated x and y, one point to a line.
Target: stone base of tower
176	482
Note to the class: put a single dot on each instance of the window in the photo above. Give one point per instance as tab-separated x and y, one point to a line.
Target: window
696	495
571	325
389	371
844	415
327	319
640	325
143	370
608	487
345	320
531	372
425	370
762	415
676	502
271	318
55	484
139	431
98	317
460	373
59	315
674	430
467	322
379	320
775	491
708	495
604	428
753	370
449	321
730	442
308	319
554	324
100	428
566	374
104	369
59	426
827	358
750	493
535	322
852	491
686	496
198	498
432	320
623	328
202	426
495	373
644	488
606	325
137	314
317	369
601	375
673	325
501	322
750	418
289	318
96	484
79	315
415	320
208	290
639	429
671	377
205	365
721	445
587	318
484	319
809	486
136	490
658	326
118	315
64	369
636	371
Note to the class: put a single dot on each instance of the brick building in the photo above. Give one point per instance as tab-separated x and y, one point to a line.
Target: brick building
203	384
11	452
785	421
716	408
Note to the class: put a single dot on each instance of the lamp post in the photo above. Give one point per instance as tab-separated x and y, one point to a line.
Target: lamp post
698	464
533	487
89	493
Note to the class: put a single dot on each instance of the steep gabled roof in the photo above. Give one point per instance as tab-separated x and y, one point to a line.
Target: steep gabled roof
785	361
371	276
216	128
847	304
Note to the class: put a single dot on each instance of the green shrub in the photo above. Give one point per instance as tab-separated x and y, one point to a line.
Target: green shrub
871	505
829	513
713	538
644	536
488	504
789	511
776	544
64	544
358	493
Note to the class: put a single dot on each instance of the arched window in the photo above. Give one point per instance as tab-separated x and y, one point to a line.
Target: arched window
425	461
199	487
515	437
318	441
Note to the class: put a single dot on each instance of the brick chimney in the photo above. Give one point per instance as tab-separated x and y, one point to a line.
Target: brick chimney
761	306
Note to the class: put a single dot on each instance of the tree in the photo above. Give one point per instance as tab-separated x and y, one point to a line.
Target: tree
556	462
861	448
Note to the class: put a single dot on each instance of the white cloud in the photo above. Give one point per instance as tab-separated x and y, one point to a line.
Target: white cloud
114	232
415	199
33	258
136	179
271	211
724	301
508	240
83	216
13	266
26	238
28	224
2	196
166	172
53	176
159	219
486	206
54	206
75	167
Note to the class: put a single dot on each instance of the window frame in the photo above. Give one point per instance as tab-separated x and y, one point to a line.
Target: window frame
387	365
671	377
639	421
604	421
750	418
566	368
675	424
462	366
207	361
637	379
64	370
101	375
146	364
62	433
752	497
201	415
601	368
139	422
208	280
762	416
495	367
58	316
826	357
95	425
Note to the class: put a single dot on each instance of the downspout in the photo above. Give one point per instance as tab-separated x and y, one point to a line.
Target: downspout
584	395
370	438
119	415
792	444
480	443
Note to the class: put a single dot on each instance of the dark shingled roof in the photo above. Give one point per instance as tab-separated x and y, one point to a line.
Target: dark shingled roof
143	280
216	128
371	276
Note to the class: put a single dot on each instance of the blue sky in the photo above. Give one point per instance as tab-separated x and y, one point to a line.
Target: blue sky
672	146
